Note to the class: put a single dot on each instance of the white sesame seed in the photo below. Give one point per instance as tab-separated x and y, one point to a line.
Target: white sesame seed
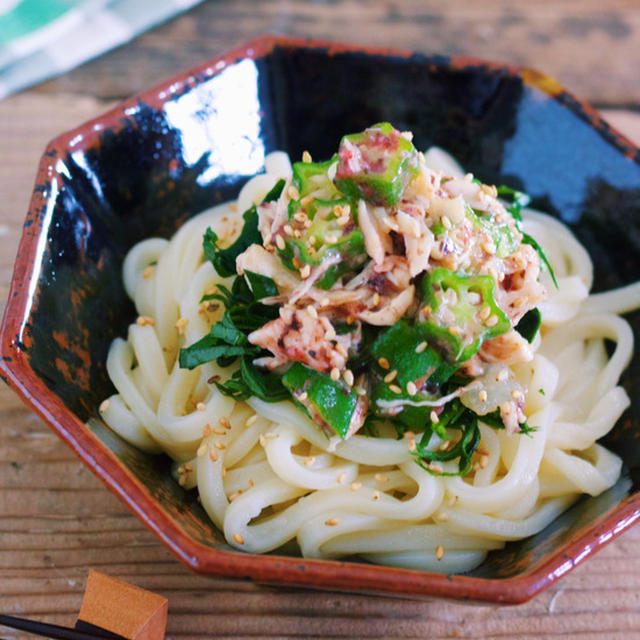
383	362
147	271
380	477
305	272
330	333
206	430
411	388
325	302
390	377
311	310
516	394
503	375
251	420
308	461
488	247
306	156
442	517
421	347
104	405
484	462
491	321
213	455
280	242
219	445
202	449
235	494
288	229
224	422
335	373
341	476
303	396
238	538
439	552
293	193
482	395
454	330
446	223
354	486
341	350
484	313
219	430
395	388
348	377
375	496
144	320
433	416
201	406
331	522
330	238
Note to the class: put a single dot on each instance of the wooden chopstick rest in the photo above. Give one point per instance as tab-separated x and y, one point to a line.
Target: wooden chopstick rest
123	609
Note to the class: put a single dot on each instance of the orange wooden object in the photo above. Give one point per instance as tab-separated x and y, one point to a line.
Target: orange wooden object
123	608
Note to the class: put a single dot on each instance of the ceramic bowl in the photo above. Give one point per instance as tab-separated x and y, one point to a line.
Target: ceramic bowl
153	161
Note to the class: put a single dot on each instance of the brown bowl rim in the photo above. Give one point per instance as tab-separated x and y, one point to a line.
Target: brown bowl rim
285	570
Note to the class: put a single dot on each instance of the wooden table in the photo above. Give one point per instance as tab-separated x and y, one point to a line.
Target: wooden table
57	520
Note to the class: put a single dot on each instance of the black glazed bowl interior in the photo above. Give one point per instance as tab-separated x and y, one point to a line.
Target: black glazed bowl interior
157	159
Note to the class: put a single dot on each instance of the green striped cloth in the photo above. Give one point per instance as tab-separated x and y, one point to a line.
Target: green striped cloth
42	38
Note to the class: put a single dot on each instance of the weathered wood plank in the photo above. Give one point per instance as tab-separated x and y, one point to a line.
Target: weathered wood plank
589	46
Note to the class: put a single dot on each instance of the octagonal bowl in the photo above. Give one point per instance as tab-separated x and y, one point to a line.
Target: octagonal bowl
148	164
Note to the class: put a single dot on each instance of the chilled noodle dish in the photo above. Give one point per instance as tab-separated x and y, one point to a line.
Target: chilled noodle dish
375	355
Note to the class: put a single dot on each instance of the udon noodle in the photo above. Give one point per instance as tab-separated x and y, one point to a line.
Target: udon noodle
266	474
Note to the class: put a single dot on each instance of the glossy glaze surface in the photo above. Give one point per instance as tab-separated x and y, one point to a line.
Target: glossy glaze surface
152	162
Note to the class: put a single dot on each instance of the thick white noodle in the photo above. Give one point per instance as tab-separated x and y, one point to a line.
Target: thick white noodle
266	474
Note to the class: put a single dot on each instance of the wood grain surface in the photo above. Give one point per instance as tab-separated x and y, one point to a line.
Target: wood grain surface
57	520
